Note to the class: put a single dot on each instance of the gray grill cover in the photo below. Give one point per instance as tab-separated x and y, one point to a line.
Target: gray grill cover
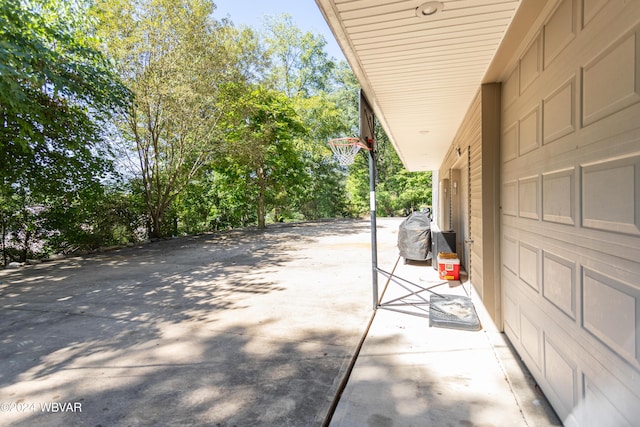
414	237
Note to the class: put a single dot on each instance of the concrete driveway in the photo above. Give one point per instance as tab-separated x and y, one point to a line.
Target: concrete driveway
229	329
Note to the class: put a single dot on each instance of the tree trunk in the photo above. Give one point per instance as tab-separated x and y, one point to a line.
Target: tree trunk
261	211
261	200
4	242
25	249
156	221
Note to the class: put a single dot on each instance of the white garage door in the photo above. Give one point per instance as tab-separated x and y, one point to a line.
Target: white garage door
571	210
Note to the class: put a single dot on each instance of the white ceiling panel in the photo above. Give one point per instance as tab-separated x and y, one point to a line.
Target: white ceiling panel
419	72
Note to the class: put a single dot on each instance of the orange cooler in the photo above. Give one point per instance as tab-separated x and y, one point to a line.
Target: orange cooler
449	268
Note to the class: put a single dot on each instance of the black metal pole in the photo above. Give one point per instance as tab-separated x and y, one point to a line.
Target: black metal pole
374	238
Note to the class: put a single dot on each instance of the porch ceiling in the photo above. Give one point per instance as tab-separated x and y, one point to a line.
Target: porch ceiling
420	73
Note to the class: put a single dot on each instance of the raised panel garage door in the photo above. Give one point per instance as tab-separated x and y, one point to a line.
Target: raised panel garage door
570	209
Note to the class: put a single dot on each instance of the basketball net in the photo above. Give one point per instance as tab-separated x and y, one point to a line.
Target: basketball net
345	149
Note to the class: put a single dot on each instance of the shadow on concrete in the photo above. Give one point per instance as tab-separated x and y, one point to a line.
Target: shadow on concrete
411	374
203	330
426	387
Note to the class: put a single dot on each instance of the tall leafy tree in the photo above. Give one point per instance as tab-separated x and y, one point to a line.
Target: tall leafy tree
175	58
260	149
324	196
54	82
311	79
300	65
56	92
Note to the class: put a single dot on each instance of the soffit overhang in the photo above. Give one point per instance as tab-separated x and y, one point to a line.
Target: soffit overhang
421	73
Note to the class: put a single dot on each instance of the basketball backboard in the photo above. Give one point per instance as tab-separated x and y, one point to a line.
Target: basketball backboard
367	119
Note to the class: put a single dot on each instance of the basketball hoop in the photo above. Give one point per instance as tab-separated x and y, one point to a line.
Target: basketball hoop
345	149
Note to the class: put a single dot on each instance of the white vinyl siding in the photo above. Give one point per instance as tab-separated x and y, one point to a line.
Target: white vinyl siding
469	137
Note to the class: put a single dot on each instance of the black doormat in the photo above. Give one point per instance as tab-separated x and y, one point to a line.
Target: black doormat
454	312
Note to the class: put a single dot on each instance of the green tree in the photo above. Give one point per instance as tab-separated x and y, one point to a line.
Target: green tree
398	191
324	196
175	58
233	194
300	66
303	71
260	148
56	92
54	83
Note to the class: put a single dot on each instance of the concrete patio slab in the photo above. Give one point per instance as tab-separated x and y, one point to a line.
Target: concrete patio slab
244	328
231	329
